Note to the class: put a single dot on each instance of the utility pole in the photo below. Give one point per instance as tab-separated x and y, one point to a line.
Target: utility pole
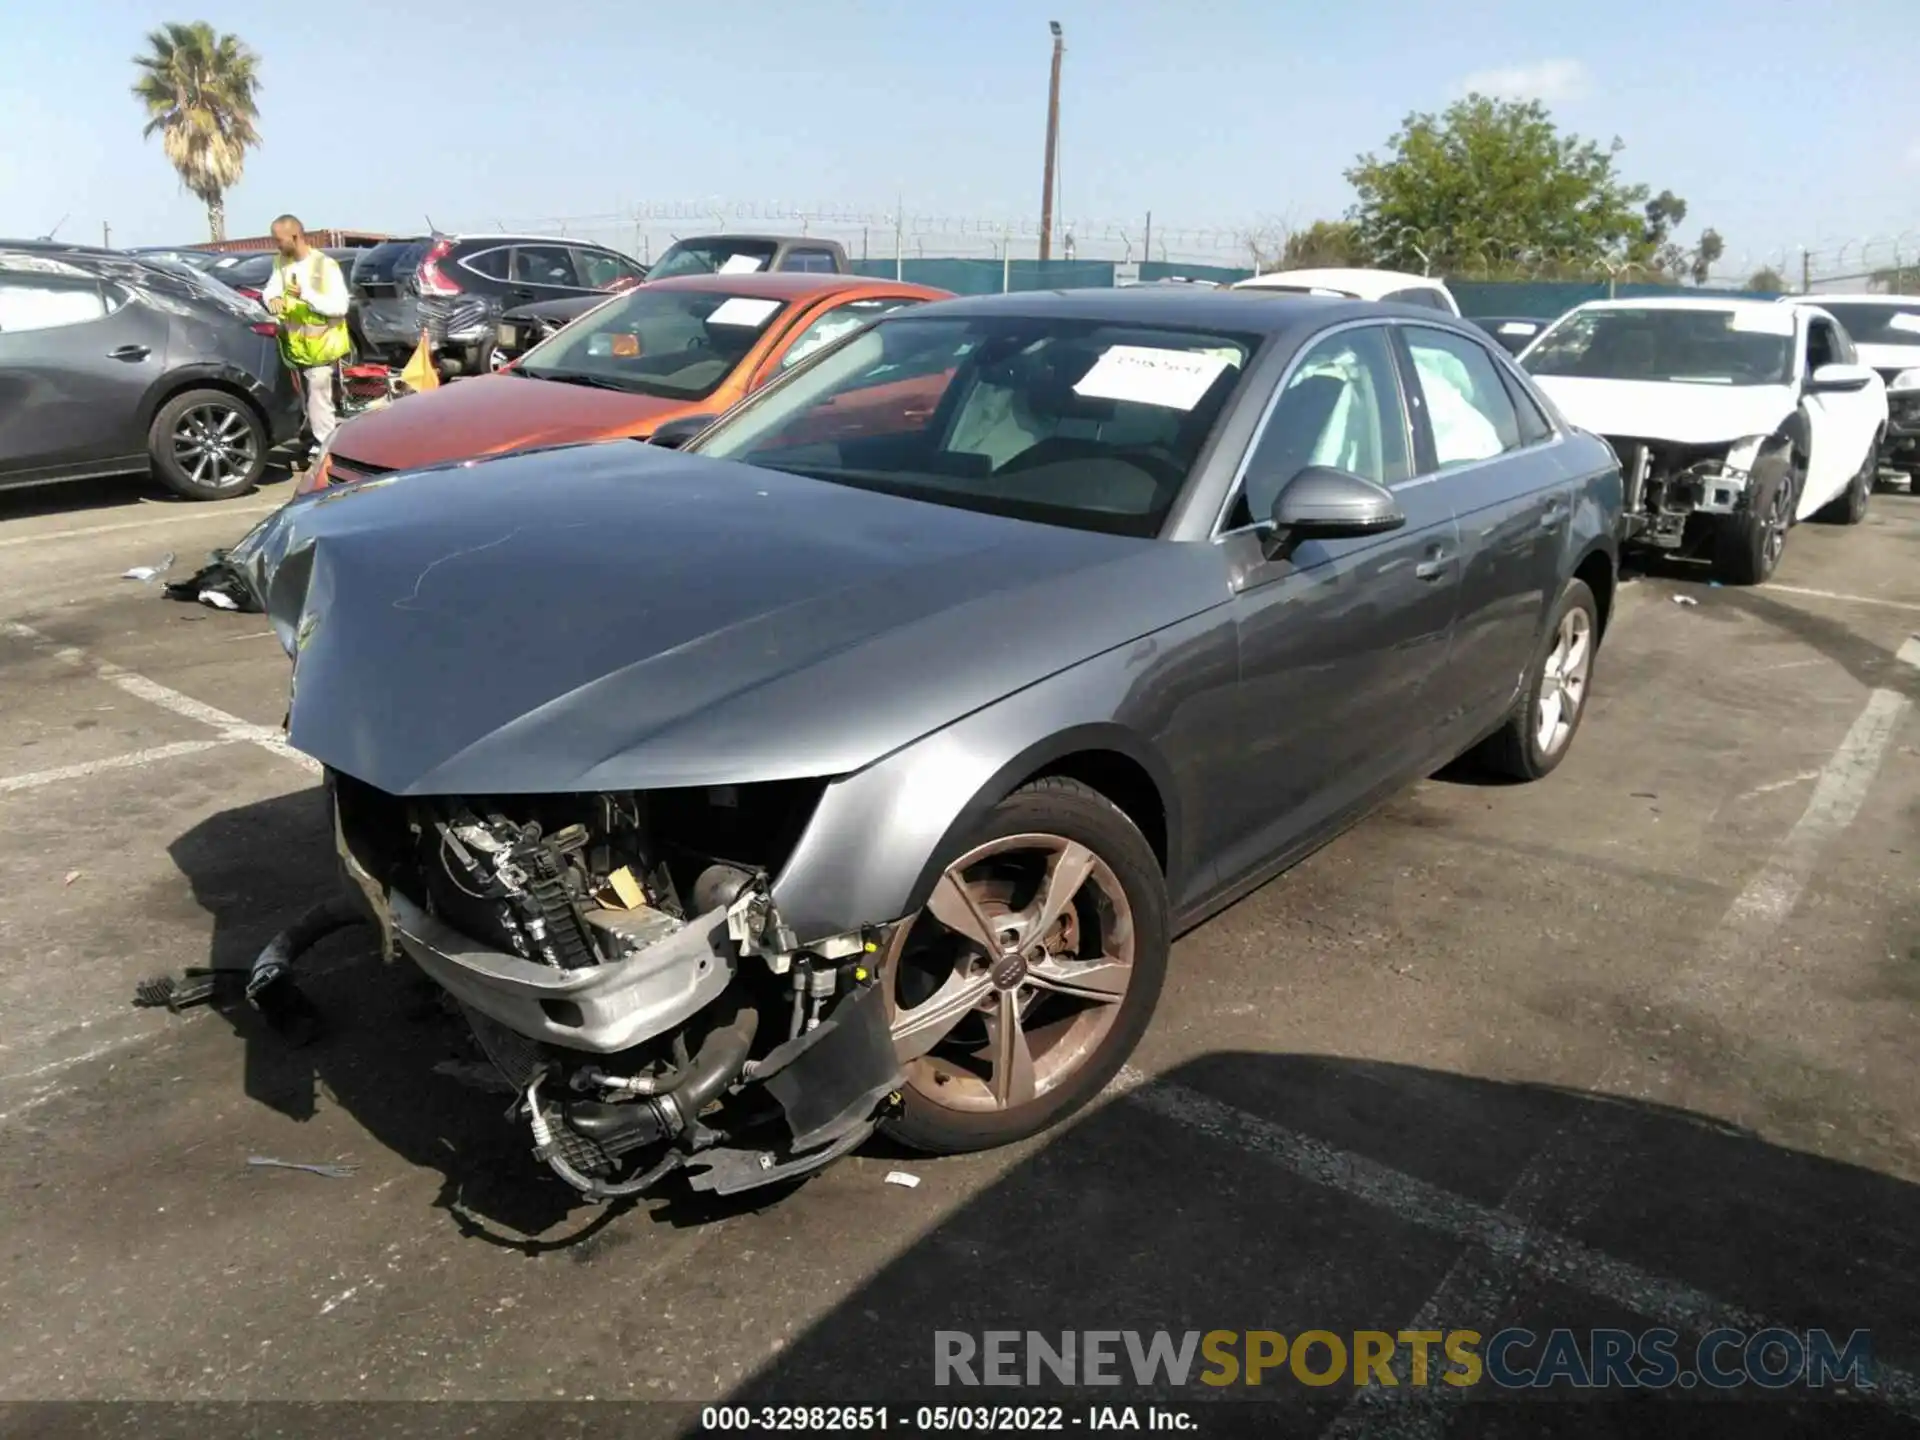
106	236
1053	143
1146	250
1806	272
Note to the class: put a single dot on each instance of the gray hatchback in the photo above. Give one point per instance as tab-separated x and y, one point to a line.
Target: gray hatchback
110	364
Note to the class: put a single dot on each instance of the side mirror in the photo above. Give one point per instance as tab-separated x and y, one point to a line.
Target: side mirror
1839	379
678	431
1322	503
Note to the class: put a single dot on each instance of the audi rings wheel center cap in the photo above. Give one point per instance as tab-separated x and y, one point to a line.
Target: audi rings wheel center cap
1008	971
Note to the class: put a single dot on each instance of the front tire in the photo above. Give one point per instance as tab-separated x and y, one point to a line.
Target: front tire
1539	733
207	445
1747	547
1022	987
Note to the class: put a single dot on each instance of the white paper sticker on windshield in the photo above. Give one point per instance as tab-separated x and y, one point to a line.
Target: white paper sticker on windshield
742	310
741	264
1519	327
1904	320
1147	375
1763	320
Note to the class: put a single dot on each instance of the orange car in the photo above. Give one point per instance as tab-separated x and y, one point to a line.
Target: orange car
675	349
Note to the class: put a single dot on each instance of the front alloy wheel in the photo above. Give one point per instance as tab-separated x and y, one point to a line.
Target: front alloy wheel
1023	984
1563	681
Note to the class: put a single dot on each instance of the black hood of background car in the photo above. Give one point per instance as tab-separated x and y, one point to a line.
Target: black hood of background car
617	616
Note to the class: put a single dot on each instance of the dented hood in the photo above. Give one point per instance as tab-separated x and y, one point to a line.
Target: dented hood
1687	414
622	617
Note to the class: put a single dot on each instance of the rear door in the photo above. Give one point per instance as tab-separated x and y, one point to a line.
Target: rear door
545	272
1487	448
77	356
1341	641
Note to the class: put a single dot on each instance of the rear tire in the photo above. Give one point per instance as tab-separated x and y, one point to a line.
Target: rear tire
1073	1040
1539	733
1747	547
1850	508
207	445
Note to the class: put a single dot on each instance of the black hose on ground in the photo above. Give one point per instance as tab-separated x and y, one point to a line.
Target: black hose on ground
268	989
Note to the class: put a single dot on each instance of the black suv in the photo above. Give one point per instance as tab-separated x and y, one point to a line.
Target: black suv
455	287
110	365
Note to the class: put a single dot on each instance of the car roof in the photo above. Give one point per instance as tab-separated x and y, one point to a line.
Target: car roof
1364	283
790	285
756	238
1187	307
1858	298
1730	303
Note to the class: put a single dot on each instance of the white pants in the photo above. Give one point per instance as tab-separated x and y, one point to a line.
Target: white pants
318	383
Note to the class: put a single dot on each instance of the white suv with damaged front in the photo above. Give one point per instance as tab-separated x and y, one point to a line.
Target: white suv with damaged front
1733	419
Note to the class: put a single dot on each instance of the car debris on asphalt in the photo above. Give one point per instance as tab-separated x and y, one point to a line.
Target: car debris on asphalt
331	1172
147	574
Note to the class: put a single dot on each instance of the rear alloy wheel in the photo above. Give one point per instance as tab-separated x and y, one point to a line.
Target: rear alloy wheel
208	445
1850	507
1027	980
1539	733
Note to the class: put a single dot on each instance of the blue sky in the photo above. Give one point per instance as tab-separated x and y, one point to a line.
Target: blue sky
1781	124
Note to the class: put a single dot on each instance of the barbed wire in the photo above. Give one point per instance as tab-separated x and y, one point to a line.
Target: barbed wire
882	232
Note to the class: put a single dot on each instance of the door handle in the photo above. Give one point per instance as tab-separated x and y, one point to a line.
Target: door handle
1437	563
130	352
1552	515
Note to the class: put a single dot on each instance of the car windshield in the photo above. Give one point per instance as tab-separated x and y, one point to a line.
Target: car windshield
245	269
677	344
1875	324
1083	423
714	257
1698	347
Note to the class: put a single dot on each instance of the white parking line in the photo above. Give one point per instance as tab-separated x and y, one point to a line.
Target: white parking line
87	531
1836	595
231	727
1547	1255
133	760
1477	1287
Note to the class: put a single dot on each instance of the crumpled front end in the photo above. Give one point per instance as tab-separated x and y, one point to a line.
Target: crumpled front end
1667	483
638	990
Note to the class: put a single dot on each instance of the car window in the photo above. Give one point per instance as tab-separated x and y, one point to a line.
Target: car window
544	265
1749	345
1468	408
652	340
1532	420
1065	421
48	302
817	262
491	263
716	255
601	268
840	320
1341	407
1822	348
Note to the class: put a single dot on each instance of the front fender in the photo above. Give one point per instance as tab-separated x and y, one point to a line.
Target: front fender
879	837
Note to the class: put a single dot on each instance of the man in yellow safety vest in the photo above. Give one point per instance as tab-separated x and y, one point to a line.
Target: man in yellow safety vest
308	296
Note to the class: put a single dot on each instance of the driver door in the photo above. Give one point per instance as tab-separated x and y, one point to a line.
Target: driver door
1838	431
1342	642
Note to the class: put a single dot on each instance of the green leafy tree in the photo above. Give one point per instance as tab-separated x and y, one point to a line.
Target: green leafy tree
1493	183
1767	280
1324	243
1706	254
199	89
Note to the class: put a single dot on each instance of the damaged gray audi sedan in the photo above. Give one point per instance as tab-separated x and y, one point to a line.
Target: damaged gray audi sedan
856	765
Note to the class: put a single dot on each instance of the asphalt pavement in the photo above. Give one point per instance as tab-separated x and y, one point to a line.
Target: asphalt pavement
1632	1047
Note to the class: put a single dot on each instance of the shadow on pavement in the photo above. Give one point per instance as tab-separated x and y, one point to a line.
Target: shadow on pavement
112	492
1289	1193
255	870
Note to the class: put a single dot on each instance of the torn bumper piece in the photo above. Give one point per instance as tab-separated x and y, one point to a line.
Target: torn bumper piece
601	1009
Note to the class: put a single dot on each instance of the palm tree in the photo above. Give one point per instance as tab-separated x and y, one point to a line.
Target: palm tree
198	89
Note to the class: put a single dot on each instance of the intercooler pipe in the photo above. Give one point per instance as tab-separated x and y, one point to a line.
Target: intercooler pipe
722	1057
